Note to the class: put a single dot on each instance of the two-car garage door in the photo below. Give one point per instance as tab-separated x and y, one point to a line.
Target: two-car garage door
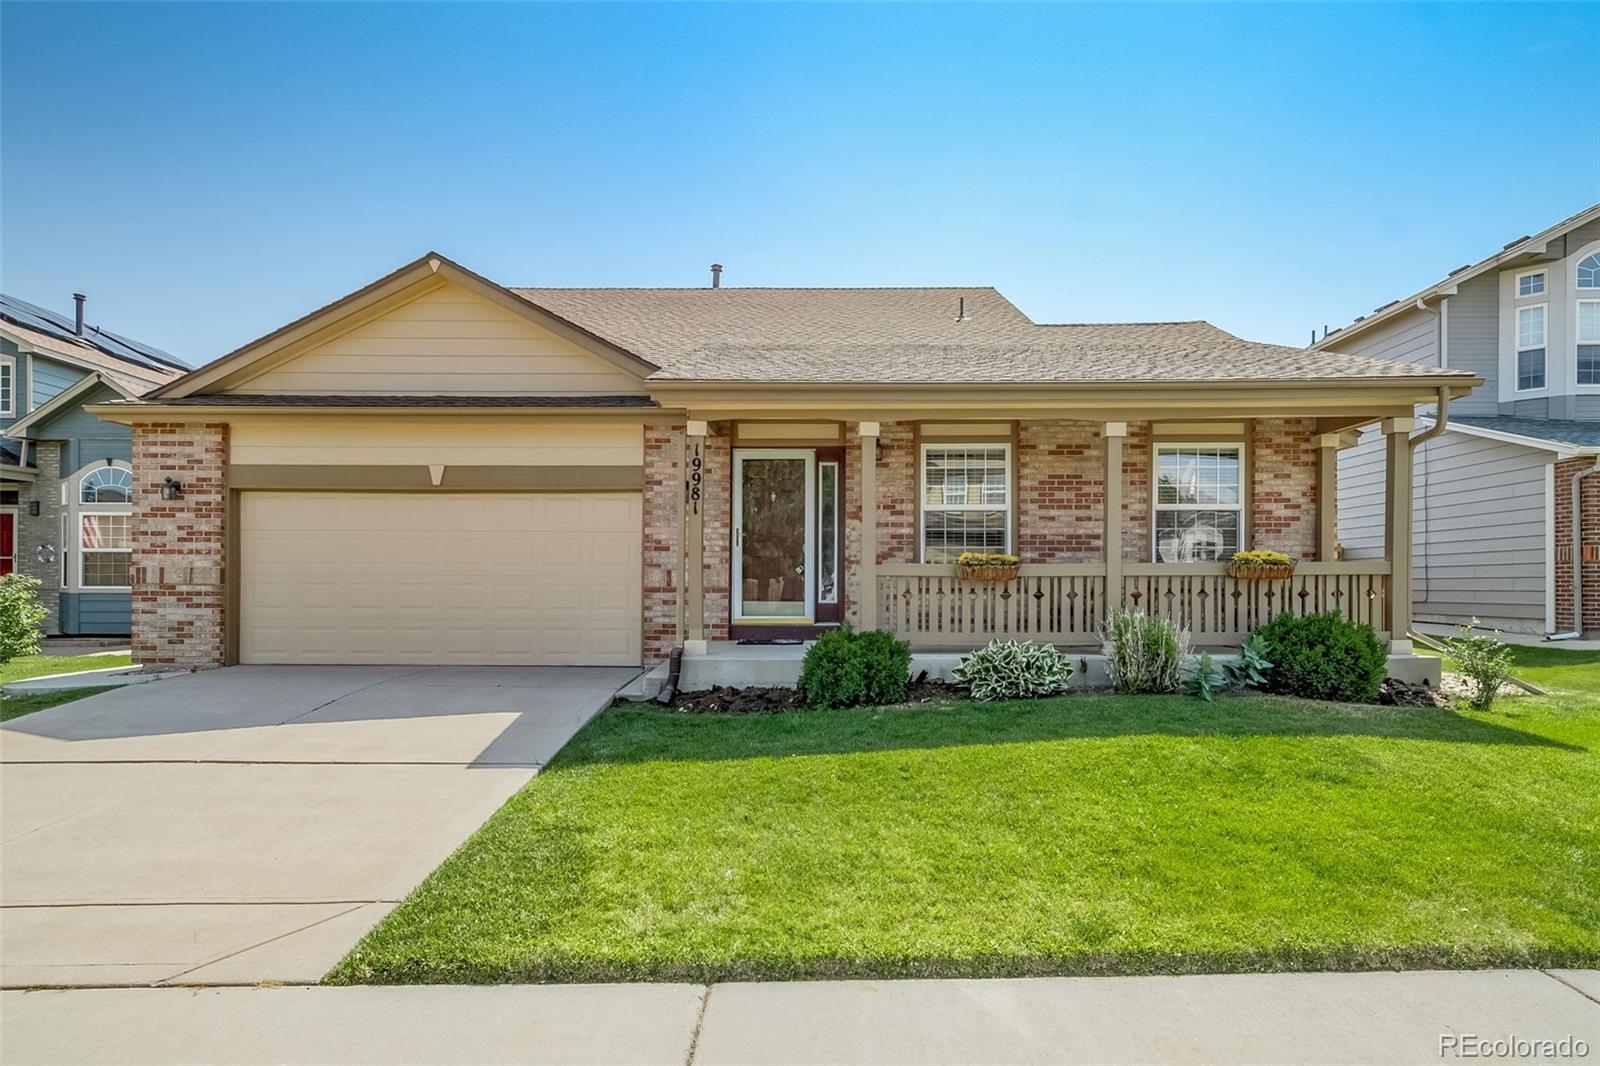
439	577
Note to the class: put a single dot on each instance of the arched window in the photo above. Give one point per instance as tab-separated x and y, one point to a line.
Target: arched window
106	484
1589	272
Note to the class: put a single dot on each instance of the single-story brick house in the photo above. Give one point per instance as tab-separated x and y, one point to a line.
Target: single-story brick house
440	469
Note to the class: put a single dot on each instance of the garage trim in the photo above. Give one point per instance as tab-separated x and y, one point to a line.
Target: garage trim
357	478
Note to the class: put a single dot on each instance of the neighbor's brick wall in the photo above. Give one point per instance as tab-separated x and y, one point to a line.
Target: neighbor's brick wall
44	530
663	512
178	565
1589	488
1283	477
1060	491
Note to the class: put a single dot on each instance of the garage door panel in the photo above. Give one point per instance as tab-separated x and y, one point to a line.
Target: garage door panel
458	578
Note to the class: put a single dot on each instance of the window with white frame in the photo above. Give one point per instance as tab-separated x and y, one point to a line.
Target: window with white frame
1589	272
101	507
8	386
1530	284
107	547
966	500
108	484
1199	502
1530	348
1589	342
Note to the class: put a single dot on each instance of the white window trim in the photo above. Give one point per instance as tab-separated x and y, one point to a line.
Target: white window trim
84	553
72	511
8	407
1577	260
1577	313
95	469
1155	490
1517	349
923	507
1516	284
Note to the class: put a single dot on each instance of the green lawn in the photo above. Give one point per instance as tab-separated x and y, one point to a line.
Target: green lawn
17	706
1090	834
27	666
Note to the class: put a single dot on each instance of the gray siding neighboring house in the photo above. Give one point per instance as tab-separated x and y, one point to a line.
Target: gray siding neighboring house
64	470
1487	538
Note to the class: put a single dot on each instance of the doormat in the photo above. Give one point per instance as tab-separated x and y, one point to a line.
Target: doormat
771	640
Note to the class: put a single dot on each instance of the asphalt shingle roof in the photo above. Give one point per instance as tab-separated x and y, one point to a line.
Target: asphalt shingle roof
1556	431
61	328
914	335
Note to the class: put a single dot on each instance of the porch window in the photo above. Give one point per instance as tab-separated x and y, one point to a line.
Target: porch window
107	550
966	500
1199	504
1530	348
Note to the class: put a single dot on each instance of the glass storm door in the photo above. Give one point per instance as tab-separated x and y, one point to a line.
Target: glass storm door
773	526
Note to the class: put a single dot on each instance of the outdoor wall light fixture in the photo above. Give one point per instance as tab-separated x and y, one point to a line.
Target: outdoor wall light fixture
878	449
172	489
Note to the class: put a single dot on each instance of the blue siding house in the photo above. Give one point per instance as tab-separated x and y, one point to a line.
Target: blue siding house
66	477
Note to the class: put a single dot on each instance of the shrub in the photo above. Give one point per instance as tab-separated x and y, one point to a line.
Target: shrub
21	615
1483	659
845	669
1144	652
885	666
1205	680
1015	670
1252	667
1324	657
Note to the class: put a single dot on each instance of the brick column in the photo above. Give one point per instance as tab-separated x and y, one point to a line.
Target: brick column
179	545
663	528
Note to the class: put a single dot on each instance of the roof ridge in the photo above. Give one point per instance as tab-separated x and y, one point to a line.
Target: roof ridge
1140	322
748	288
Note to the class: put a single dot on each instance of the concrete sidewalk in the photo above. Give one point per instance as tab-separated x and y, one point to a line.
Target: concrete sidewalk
1243	1018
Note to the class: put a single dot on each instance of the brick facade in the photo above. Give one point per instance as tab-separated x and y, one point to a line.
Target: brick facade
663	527
38	546
1283	486
717	496
1060	491
178	566
1589	489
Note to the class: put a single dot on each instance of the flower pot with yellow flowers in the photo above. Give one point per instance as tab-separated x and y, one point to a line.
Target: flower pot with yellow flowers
1260	566
984	566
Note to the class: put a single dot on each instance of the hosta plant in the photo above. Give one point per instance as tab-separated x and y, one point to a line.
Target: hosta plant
1205	681
1015	670
1252	667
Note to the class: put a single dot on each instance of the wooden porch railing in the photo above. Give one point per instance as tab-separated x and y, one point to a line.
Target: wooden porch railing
931	607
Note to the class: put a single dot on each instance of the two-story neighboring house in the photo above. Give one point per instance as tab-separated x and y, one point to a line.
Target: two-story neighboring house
1495	493
65	475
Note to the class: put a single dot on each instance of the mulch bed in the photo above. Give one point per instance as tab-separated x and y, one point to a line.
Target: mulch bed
779	700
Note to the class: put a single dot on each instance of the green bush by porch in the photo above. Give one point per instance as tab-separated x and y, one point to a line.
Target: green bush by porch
1079	835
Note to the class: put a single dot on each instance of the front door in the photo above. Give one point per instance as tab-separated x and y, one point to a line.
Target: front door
774	526
8	542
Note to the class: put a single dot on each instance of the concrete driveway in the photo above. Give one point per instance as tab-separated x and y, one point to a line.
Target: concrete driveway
250	824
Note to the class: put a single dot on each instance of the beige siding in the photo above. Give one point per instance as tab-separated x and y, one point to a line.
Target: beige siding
447	342
455	578
409	441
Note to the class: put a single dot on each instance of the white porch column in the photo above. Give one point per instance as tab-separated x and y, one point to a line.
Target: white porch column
1397	531
868	432
1327	495
1111	534
694	578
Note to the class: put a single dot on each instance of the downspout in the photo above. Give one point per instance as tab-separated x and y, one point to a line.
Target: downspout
1441	420
1577	553
1442	330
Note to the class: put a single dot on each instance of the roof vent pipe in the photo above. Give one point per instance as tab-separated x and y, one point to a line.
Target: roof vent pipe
77	324
716	275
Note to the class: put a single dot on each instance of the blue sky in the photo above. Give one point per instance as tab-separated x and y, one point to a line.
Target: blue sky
207	173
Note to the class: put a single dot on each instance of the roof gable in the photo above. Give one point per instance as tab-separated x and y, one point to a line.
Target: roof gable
430	328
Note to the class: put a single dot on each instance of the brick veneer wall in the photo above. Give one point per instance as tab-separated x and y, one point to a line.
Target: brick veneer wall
1589	489
43	530
717	498
178	545
1283	496
1137	536
663	512
1060	491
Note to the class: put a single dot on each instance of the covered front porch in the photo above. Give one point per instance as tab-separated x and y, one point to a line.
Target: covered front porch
1144	511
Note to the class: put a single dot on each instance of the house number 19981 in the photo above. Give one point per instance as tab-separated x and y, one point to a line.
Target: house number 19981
695	463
